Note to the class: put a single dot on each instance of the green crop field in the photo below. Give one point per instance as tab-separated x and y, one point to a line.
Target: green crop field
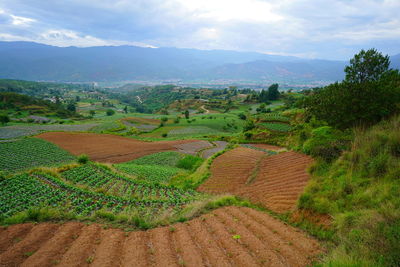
29	153
100	179
280	127
38	189
159	167
274	117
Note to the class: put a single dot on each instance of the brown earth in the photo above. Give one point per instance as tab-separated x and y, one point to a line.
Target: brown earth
230	171
273	181
107	147
229	236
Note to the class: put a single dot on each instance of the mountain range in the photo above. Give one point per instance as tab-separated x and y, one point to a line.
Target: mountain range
40	62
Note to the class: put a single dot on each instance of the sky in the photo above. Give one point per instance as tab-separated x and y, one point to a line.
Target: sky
326	29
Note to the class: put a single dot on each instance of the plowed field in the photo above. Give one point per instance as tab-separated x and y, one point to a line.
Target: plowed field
108	148
231	170
274	181
229	236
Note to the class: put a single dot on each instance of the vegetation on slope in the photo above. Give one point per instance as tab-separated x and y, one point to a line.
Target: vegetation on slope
361	191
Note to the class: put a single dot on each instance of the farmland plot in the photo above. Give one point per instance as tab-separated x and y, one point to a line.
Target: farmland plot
160	167
38	189
228	236
98	177
17	131
31	152
275	181
109	148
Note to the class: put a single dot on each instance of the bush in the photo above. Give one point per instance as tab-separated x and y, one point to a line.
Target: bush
83	159
189	162
110	112
326	143
164	135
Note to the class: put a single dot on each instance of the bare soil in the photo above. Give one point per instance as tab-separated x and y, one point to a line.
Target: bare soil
229	236
107	147
273	181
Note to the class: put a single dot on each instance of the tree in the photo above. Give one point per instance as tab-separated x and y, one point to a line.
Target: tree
187	114
4	119
345	104
71	107
367	66
92	112
110	112
273	92
126	109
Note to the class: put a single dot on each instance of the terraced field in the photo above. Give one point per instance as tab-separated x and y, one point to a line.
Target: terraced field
275	181
17	131
231	170
109	148
228	236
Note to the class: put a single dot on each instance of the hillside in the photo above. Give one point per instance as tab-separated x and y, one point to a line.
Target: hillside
121	63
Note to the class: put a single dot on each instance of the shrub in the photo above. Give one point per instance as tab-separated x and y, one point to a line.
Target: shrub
110	112
83	159
164	135
326	143
189	162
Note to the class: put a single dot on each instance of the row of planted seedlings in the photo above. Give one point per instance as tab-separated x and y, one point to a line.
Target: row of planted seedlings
39	189
99	177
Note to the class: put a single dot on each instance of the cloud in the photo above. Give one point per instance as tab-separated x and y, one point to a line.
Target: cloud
333	29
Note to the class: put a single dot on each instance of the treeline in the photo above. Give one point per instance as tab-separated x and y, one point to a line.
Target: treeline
39	89
19	102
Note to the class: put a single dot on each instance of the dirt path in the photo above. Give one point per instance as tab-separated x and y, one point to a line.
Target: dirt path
206	111
229	236
107	147
274	181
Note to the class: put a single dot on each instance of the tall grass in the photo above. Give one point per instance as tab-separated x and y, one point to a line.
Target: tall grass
361	190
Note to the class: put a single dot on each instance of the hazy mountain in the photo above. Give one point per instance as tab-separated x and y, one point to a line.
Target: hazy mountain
395	61
33	61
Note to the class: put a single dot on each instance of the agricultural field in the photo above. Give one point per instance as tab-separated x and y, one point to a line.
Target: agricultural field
229	236
198	126
17	131
108	126
100	179
261	175
160	167
29	153
107	147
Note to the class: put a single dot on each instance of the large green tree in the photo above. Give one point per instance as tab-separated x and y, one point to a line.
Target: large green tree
273	92
370	93
367	66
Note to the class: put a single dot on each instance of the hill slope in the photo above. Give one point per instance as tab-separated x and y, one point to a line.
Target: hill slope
32	61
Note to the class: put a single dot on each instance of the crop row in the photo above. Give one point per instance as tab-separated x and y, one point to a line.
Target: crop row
98	177
31	152
42	190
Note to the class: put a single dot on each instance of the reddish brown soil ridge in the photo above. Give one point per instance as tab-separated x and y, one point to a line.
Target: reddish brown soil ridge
274	181
107	147
228	236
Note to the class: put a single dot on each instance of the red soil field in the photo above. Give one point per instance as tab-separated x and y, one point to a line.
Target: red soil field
107	147
230	171
229	236
273	181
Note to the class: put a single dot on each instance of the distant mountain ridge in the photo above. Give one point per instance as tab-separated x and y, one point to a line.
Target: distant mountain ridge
33	61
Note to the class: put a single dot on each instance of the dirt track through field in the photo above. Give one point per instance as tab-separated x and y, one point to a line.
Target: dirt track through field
274	181
107	147
229	236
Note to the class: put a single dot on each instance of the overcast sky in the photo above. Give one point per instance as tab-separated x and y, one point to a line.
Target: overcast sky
330	29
